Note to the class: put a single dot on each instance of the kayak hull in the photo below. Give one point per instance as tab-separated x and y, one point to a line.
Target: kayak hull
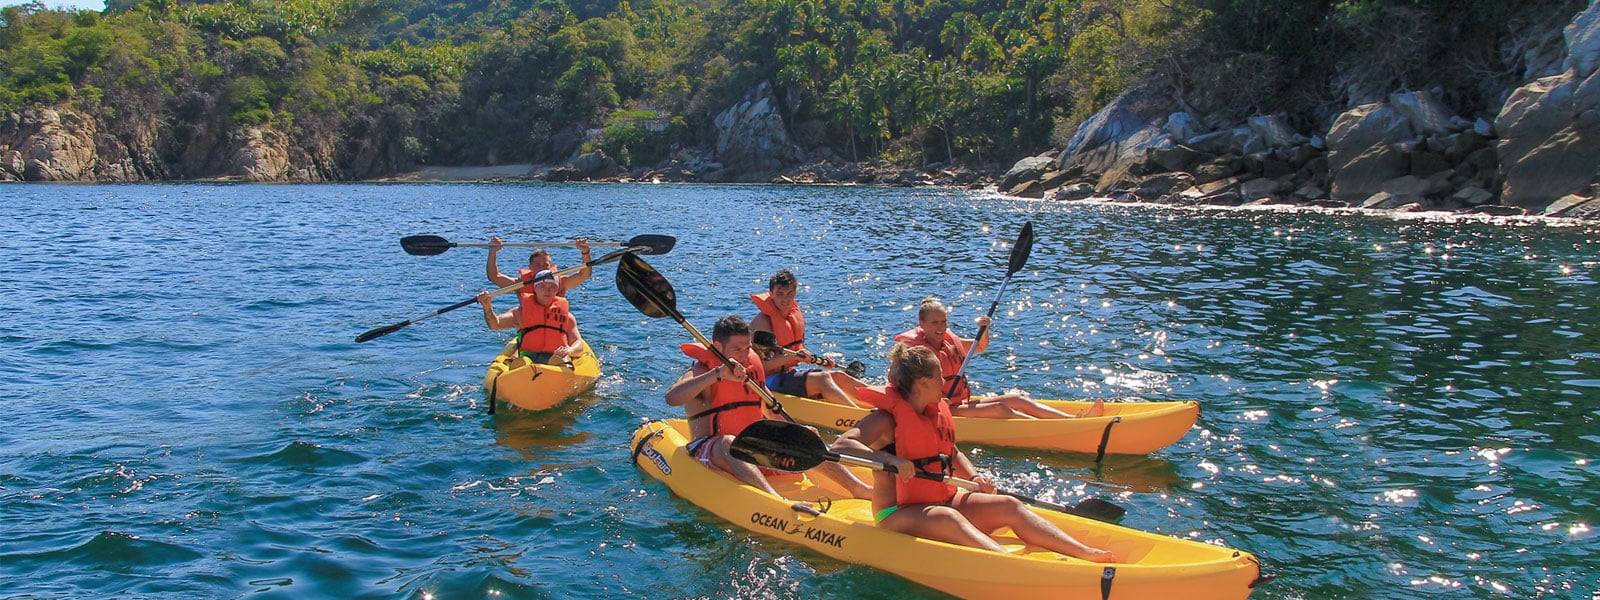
1158	566
1125	428
513	380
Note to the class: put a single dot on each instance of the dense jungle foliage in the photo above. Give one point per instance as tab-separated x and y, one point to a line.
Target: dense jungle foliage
911	81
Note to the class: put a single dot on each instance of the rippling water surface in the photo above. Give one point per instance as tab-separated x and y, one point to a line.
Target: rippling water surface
1391	408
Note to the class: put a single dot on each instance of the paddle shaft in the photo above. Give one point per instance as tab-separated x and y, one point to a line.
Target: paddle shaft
982	331
672	311
388	329
534	244
1020	250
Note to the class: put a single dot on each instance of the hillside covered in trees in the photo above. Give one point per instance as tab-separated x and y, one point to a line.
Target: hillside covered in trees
350	89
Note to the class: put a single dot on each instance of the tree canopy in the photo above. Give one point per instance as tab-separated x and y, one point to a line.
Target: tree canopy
910	81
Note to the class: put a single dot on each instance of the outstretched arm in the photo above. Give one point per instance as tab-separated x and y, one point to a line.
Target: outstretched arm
492	269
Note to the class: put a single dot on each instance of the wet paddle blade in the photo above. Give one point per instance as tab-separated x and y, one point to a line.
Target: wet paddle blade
1099	510
645	288
652	244
856	369
381	331
779	445
425	245
764	339
1021	249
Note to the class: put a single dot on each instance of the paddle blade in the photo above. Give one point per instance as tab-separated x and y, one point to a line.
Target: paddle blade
425	245
1021	249
856	369
382	331
765	340
1099	510
779	445
645	288
652	244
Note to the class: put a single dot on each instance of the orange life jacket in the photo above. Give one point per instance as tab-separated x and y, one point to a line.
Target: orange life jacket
543	328
927	439
527	275
734	405
950	351
789	326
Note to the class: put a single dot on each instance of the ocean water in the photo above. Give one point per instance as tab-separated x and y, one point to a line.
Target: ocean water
1392	407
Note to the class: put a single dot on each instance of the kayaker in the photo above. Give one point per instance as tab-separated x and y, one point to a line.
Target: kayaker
792	374
933	332
913	422
720	404
538	261
548	329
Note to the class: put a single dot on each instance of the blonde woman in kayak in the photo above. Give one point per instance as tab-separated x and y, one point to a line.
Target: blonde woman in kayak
933	332
914	418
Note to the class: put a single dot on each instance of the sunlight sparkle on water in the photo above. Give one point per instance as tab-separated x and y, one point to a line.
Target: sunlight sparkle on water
1399	496
1253	415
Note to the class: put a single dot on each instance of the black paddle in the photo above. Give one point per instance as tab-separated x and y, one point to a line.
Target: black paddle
630	251
768	341
1019	257
652	294
429	245
790	447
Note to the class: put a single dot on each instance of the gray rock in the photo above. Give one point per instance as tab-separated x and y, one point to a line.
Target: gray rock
1173	156
752	140
1361	155
1563	205
1472	196
1583	42
1183	126
1425	114
1257	189
1272	130
1076	191
1026	169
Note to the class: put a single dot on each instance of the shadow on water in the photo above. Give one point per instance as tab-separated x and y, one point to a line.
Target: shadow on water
533	434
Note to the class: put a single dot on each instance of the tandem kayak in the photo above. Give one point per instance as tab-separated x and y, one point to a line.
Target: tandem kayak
515	381
821	516
1125	428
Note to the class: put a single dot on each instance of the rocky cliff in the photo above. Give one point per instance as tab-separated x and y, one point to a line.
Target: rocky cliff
1536	155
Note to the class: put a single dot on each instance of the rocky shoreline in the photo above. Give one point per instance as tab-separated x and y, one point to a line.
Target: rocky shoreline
1536	155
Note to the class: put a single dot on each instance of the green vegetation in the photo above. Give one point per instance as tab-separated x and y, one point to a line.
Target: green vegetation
913	81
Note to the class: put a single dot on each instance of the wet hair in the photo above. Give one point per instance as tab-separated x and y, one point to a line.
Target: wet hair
781	279
909	363
728	327
930	304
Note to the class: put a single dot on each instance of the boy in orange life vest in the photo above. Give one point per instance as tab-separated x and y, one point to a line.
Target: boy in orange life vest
548	329
720	404
781	316
933	332
913	417
538	261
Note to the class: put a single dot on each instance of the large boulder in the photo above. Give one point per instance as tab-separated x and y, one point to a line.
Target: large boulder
1426	115
1550	129
1027	169
1115	142
260	154
752	139
1363	152
49	144
595	165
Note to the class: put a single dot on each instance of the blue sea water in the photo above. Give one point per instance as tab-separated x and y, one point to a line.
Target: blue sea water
1392	407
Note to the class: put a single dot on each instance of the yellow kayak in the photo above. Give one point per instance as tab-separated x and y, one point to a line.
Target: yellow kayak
1125	428
515	381
1158	566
